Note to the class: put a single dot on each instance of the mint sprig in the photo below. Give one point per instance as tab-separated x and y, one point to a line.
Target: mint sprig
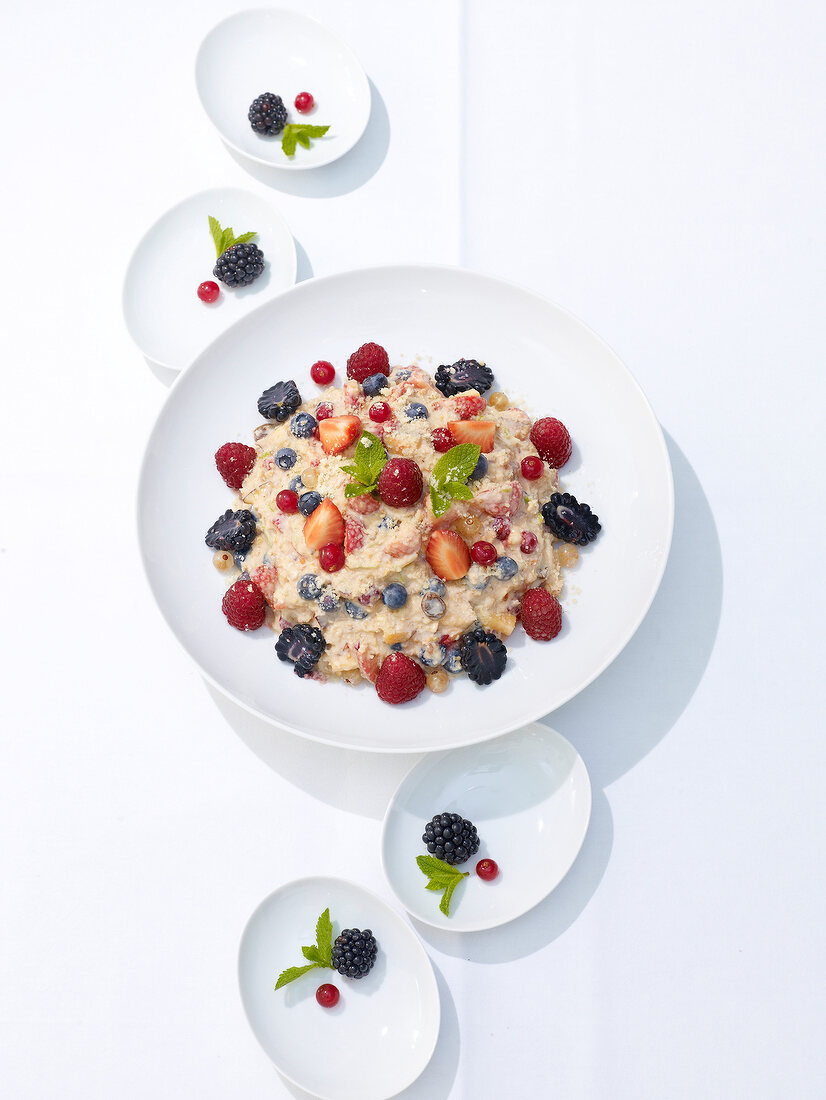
441	875
319	954
301	133
447	482
368	462
224	238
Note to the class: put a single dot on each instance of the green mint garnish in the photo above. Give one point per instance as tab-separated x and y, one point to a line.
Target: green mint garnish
300	132
447	482
368	463
224	238
442	876
320	954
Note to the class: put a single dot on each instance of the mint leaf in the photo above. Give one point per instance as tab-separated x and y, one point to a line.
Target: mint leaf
244	238
354	490
442	876
319	954
444	904
368	462
457	464
312	954
224	239
288	141
303	139
459	491
300	132
324	938
292	973
439	501
217	233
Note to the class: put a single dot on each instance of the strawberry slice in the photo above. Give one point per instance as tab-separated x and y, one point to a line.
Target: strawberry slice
480	432
468	405
324	525
448	555
353	536
338	432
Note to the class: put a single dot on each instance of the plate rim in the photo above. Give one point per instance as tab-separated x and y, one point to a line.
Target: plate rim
303	287
484	926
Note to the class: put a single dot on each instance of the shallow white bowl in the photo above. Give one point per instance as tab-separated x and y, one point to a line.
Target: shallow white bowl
529	796
381	1034
542	357
280	51
163	313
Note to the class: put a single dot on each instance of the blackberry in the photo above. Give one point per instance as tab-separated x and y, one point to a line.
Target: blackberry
301	644
451	837
483	655
280	401
464	374
267	114
569	520
233	531
354	952
239	265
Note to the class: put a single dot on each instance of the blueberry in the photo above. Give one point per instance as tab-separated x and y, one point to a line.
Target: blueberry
453	660
396	647
436	586
505	568
308	587
401	375
328	602
286	458
480	469
303	425
433	655
354	611
416	411
388	523
296	484
308	502
478	578
394	596
374	384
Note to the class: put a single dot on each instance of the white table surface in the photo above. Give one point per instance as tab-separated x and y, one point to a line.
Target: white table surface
657	168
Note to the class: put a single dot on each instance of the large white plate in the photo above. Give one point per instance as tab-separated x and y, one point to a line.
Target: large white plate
381	1034
529	796
542	357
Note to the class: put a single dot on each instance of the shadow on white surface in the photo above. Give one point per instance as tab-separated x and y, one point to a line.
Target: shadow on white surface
341	176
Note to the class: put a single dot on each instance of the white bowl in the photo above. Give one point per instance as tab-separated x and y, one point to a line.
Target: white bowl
163	313
529	796
543	358
280	51
381	1034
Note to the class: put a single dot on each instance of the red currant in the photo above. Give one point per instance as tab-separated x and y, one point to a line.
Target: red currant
529	542
331	557
287	501
501	529
483	553
322	372
487	869
532	468
324	411
442	440
327	995
208	291
304	102
379	411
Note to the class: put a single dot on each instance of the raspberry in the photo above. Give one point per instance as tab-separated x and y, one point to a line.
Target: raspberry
324	411
552	441
541	614
234	462
244	605
322	372
369	359
266	577
400	679
469	406
442	440
400	483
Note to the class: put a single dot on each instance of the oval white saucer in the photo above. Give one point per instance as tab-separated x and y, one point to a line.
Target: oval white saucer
381	1034
283	52
528	794
163	313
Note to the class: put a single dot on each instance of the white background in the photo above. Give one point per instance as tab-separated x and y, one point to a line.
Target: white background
657	168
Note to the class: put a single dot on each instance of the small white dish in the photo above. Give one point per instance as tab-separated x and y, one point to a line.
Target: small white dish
381	1034
529	796
163	313
284	52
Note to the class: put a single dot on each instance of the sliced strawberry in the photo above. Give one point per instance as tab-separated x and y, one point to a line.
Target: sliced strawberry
324	525
468	405
266	577
448	555
480	432
338	432
353	536
364	504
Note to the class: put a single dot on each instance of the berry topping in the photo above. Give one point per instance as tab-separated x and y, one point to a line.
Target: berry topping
432	605
233	531
324	526
324	411
364	505
532	468
208	291
394	596
480	432
307	502
552	441
453	660
287	501
442	440
240	265
353	536
244	605
469	405
279	401
285	458
338	432
479	470
465	374
301	644
379	411
328	602
483	553
308	587
375	384
483	655
528	542
234	462
501	528
302	426
486	869
400	483
448	555
322	372
400	679
369	359
416	411
541	614
506	568
267	114
304	102
569	520
331	557
354	611
451	838
354	952
327	995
